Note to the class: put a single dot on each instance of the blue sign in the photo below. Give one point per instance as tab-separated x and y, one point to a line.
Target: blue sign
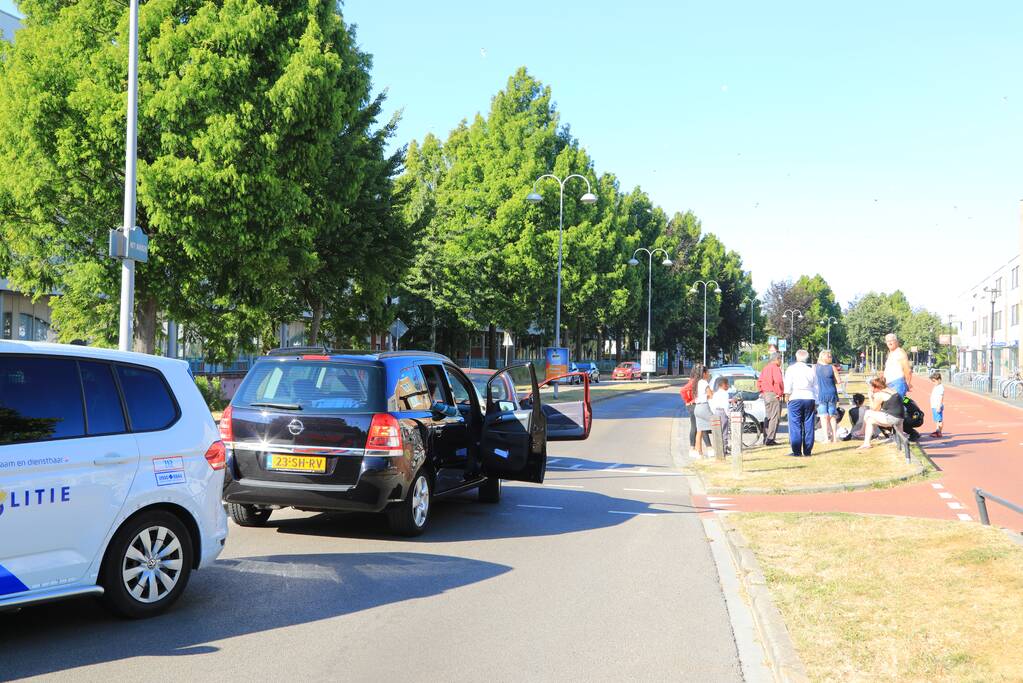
555	362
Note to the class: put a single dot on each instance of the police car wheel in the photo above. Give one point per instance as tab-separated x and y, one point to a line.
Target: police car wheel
248	515
147	564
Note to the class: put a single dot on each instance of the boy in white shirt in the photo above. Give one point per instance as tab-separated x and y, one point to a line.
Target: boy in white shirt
937	403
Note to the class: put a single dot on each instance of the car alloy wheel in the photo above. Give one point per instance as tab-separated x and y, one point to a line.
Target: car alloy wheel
420	500
152	564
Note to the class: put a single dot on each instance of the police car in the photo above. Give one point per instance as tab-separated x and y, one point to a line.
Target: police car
111	469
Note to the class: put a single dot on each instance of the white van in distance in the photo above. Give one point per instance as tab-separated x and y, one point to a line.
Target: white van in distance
111	470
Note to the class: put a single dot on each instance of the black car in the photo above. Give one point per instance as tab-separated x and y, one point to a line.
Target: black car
381	432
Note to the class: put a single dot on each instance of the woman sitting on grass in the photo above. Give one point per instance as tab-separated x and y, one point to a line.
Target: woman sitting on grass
885	410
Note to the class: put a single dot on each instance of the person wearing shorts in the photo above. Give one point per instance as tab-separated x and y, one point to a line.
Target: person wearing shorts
827	395
937	403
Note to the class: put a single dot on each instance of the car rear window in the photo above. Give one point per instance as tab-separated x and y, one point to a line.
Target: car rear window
321	386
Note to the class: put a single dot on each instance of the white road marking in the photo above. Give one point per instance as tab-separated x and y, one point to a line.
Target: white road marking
646	490
937	486
965	517
945	494
541	507
644	469
722	505
956	506
717	498
563	486
635	514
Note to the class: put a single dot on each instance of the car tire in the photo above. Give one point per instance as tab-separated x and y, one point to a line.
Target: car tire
248	515
490	490
411	516
148	551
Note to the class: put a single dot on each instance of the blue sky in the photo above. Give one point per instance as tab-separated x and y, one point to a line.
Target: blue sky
879	145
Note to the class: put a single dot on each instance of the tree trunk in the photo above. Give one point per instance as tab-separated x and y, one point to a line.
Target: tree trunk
578	339
492	346
145	326
619	341
314	326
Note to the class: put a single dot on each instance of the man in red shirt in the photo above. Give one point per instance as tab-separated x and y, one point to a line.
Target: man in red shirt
772	387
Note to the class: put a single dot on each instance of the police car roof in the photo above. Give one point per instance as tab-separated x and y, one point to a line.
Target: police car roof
47	348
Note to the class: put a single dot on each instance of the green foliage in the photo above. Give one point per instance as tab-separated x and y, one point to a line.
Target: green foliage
260	174
874	315
211	392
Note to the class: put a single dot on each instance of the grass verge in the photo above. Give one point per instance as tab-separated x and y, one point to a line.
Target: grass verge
771	468
892	598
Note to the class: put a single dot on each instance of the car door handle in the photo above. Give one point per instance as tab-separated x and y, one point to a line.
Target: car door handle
113	459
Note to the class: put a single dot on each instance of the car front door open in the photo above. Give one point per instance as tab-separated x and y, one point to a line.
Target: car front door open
570	418
514	440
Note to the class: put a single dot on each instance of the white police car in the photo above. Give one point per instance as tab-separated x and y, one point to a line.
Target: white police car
111	470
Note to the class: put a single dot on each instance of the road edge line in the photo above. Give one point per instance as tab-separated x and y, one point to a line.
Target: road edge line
754	657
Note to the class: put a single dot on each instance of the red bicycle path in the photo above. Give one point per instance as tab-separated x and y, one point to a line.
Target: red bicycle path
982	447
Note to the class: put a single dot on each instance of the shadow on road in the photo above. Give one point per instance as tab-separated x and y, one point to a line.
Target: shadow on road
524	511
232	598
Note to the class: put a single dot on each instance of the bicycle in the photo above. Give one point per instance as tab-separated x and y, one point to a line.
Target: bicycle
1012	387
752	430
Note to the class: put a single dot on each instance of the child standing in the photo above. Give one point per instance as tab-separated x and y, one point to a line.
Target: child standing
937	403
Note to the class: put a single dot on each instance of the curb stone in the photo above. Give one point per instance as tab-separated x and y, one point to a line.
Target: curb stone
781	652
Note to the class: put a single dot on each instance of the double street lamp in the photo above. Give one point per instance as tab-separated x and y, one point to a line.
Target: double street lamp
694	290
791	315
535	198
830	320
649	280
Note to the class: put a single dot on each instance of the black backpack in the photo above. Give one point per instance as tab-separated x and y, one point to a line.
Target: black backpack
914	416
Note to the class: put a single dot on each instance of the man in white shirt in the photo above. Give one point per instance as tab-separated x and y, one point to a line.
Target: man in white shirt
801	394
898	371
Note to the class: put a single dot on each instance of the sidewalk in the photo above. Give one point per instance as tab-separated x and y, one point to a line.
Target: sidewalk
982	447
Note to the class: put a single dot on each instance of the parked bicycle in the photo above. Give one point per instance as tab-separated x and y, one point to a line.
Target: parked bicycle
752	430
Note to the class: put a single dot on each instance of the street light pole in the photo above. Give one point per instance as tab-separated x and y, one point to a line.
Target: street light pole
694	290
791	313
126	333
951	334
752	317
649	283
829	320
994	292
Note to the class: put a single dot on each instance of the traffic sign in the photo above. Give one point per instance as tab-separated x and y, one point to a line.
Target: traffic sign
772	340
135	248
783	345
508	339
398	328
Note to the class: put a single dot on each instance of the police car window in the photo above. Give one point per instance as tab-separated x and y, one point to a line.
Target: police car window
102	402
40	399
411	392
150	405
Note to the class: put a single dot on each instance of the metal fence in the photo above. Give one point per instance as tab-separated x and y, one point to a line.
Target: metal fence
983	496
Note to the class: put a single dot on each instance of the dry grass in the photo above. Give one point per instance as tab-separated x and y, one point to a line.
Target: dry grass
770	467
892	598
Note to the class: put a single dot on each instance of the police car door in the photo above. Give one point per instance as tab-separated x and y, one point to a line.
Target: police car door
66	465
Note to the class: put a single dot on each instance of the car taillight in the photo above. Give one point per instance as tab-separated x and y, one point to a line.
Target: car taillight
384	436
216	455
226	429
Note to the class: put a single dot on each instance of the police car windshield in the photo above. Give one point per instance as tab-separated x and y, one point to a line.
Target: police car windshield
316	386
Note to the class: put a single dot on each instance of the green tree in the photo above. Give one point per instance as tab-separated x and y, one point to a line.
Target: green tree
242	106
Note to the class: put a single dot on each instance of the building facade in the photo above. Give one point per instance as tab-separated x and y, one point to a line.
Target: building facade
989	322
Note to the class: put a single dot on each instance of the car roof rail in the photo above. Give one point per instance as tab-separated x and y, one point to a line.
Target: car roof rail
297	350
420	354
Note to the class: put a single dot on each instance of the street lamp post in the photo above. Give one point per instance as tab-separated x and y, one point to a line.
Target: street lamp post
649	283
125	335
791	315
994	293
535	198
717	290
830	320
752	317
951	334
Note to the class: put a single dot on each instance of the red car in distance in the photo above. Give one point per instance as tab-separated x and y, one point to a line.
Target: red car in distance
630	369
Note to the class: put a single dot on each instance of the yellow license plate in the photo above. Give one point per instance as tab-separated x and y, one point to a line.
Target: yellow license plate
296	463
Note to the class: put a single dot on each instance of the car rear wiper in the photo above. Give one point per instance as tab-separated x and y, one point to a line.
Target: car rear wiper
282	406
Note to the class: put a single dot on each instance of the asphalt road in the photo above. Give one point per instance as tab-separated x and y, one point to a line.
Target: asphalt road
602	573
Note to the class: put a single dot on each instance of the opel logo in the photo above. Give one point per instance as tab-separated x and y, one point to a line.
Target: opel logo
295	427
